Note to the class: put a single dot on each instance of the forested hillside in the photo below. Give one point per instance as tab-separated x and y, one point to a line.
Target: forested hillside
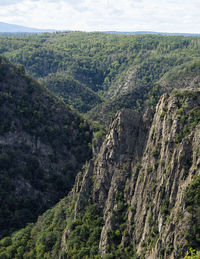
43	144
138	198
111	70
133	193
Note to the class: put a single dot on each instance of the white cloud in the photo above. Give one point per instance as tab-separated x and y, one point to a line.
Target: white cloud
124	15
8	2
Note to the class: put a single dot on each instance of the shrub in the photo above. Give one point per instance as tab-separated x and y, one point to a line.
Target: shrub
149	169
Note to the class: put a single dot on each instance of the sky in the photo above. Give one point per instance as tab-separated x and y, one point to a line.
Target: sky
104	15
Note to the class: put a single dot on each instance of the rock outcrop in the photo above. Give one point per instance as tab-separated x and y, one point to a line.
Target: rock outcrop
137	198
140	177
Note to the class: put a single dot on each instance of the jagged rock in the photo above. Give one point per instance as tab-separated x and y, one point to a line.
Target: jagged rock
132	198
143	160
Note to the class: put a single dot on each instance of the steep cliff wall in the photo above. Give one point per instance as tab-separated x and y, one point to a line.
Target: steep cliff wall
140	177
170	162
138	198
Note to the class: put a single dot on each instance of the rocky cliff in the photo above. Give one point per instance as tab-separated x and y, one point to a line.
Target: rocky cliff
137	198
139	181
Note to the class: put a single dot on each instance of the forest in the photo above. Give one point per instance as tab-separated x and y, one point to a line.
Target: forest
99	146
98	70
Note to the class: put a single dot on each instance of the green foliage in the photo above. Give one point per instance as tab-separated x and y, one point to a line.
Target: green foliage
99	132
192	202
187	115
155	153
163	115
164	206
50	143
87	71
119	229
72	91
149	169
192	254
81	67
84	236
41	240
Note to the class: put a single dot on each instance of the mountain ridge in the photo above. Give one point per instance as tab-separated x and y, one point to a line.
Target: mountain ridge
13	28
154	32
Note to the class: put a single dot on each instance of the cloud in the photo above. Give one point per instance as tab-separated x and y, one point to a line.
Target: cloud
12	2
125	15
8	2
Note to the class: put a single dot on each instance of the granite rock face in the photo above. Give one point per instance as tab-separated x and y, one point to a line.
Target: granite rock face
139	177
138	197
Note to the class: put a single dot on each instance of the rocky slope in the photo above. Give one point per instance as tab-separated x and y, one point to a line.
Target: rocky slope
43	144
140	178
138	198
133	88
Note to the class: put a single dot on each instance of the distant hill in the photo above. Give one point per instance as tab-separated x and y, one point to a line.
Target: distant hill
13	28
154	32
107	71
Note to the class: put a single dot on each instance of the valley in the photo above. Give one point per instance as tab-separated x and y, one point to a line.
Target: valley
99	146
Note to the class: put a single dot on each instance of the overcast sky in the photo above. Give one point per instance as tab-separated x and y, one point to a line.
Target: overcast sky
101	15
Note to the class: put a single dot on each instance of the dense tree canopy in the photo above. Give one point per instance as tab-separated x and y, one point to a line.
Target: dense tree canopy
84	67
